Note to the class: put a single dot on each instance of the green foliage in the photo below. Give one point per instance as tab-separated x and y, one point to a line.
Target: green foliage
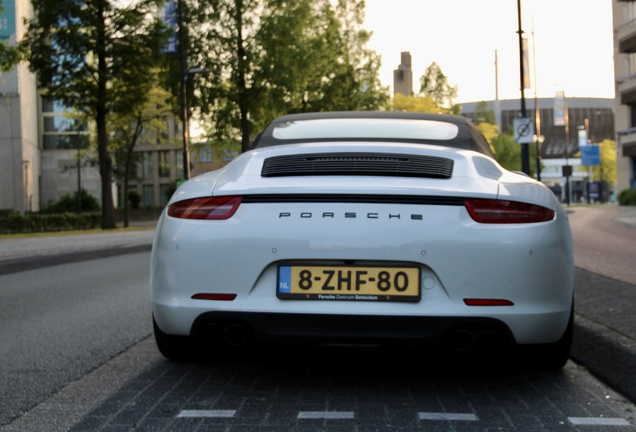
16	223
435	84
627	197
424	104
68	203
134	198
169	191
607	170
490	132
96	57
267	58
484	115
508	153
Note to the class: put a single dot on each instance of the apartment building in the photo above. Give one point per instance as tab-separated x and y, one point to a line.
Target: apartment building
624	12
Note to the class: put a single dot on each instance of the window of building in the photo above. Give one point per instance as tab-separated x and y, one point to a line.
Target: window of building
60	130
148	167
205	154
179	157
149	195
164	164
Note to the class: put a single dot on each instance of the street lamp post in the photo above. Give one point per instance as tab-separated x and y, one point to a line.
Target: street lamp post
525	153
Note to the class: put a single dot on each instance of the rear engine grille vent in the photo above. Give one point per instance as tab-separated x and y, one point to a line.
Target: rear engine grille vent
359	164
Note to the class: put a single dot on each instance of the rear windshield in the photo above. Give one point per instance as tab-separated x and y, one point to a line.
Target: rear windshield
365	128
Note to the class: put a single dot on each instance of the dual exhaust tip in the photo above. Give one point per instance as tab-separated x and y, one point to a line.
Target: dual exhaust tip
463	340
234	334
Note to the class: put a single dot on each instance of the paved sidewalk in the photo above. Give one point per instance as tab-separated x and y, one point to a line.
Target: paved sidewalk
627	215
605	323
28	247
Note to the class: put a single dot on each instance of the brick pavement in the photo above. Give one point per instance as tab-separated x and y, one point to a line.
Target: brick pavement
343	389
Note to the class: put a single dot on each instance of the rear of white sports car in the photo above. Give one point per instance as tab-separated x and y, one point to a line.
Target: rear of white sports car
363	242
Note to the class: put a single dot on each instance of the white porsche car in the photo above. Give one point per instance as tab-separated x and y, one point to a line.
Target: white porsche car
364	228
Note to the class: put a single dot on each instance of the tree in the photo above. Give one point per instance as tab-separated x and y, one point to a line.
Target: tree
490	132
508	153
424	104
149	120
435	84
267	58
607	170
81	48
483	115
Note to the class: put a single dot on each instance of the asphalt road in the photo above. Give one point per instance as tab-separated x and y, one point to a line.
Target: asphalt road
59	323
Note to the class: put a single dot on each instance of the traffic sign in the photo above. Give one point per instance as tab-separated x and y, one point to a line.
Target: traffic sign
524	130
590	155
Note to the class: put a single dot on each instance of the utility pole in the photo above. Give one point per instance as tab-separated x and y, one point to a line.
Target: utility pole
568	168
525	154
184	106
537	112
79	172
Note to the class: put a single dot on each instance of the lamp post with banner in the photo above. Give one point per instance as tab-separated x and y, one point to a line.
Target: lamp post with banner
525	83
561	118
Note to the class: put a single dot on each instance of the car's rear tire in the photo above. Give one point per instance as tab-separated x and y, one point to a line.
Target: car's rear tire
550	356
176	348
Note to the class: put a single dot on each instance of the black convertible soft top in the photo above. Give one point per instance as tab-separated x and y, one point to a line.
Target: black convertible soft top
468	137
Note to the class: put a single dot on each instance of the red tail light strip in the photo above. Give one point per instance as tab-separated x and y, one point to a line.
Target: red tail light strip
222	297
488	302
210	208
501	212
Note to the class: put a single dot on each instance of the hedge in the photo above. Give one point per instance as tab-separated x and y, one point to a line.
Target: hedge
627	197
17	223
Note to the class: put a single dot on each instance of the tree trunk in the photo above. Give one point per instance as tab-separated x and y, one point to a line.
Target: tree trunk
105	162
128	163
240	75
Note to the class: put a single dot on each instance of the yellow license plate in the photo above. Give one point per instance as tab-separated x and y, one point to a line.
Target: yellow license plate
355	283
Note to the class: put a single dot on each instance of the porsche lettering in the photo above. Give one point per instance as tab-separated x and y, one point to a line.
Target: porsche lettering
348	215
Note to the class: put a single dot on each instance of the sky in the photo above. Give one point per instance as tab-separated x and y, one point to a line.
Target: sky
574	44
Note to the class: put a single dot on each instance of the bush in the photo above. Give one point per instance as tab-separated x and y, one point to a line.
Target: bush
37	222
627	197
68	203
134	198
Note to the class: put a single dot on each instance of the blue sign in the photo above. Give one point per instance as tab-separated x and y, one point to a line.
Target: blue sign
7	20
590	155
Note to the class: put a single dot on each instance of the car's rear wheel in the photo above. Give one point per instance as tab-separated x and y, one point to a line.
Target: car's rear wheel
176	348
550	356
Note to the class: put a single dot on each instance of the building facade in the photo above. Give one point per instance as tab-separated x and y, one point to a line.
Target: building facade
20	162
403	76
625	103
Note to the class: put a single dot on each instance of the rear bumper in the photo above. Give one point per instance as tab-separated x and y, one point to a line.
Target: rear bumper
359	329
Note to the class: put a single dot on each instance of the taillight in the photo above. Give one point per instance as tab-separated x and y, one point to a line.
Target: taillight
213	208
498	211
221	297
488	302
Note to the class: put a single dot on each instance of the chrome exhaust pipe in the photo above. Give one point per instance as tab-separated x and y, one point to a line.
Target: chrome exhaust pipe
235	334
461	340
487	340
211	333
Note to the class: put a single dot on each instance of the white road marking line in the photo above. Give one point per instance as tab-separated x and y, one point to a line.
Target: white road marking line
598	421
447	416
325	415
207	413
